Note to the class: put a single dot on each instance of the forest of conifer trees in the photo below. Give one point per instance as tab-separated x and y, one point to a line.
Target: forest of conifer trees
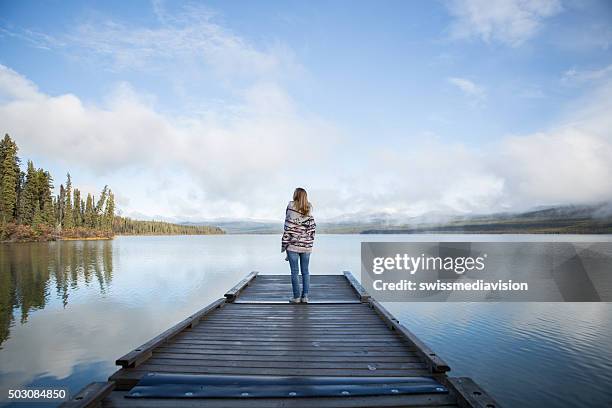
30	212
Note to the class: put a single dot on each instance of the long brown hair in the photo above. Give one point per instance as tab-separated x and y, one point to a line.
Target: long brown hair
300	201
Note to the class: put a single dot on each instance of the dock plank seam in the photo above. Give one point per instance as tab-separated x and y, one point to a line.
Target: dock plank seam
242	334
137	356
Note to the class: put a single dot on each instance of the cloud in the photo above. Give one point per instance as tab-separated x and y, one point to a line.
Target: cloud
510	22
574	75
469	88
190	35
570	163
244	157
217	148
260	144
246	164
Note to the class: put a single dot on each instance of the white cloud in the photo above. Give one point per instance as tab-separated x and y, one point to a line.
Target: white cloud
222	157
567	165
510	22
247	163
468	87
576	75
188	41
242	159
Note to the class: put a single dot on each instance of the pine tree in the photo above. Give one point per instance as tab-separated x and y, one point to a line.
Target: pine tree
76	210
9	147
9	179
99	207
37	219
60	203
68	216
29	196
89	212
82	205
48	211
109	213
19	193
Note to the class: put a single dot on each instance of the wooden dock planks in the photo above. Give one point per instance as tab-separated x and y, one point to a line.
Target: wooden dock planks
254	331
277	289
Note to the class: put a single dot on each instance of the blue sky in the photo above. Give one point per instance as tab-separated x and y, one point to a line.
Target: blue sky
199	110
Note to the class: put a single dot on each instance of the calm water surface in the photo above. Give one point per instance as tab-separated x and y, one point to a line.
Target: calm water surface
69	309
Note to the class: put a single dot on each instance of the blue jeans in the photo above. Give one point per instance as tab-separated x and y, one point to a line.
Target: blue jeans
293	264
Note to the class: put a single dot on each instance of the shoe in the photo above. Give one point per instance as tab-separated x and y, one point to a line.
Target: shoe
294	300
304	299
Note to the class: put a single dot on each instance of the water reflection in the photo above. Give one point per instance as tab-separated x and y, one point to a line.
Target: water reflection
31	273
70	309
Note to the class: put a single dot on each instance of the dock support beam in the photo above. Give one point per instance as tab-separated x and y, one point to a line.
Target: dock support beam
233	293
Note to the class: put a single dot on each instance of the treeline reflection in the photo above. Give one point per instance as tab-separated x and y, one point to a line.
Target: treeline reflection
33	274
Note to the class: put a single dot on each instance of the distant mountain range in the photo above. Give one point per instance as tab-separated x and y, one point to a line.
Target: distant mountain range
569	219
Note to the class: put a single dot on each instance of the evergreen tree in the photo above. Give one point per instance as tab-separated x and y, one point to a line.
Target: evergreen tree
19	193
29	196
89	212
9	147
37	219
45	199
9	179
109	213
76	210
82	204
48	212
68	216
99	207
60	204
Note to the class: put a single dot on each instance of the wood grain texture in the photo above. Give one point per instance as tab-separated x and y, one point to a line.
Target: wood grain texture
255	331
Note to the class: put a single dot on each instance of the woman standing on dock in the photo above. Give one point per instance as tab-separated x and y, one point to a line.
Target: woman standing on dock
297	241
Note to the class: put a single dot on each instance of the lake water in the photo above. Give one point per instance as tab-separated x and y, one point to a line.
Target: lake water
69	309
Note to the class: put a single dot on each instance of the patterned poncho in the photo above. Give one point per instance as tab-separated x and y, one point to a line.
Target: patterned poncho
299	231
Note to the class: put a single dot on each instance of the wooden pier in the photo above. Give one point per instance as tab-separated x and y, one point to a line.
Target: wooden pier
254	349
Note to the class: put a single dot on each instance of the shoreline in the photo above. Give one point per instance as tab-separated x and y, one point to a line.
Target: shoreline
96	238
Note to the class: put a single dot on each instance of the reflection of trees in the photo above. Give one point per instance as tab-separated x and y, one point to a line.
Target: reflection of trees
28	273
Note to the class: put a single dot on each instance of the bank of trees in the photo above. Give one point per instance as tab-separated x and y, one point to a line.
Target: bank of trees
127	226
29	211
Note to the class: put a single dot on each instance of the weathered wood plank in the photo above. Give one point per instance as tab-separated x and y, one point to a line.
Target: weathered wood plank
282	325
380	339
436	363
291	330
140	354
361	292
284	355
203	358
250	345
90	396
296	331
231	294
287	352
274	289
469	394
311	308
347	333
162	360
132	376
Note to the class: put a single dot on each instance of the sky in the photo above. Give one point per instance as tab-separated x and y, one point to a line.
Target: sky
201	110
